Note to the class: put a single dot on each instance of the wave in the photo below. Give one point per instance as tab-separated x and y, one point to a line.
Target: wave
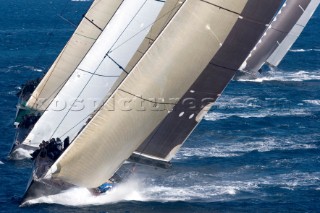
20	154
139	190
183	186
222	149
128	191
305	50
215	116
285	76
232	102
1	162
35	69
292	180
314	102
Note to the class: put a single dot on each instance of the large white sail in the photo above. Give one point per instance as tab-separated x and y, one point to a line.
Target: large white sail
294	34
169	9
162	144
89	85
165	73
89	29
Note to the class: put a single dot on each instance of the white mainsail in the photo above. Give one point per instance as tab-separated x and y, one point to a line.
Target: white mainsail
86	34
170	66
294	34
89	85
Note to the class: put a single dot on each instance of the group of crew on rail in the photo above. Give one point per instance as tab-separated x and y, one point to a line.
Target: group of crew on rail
51	149
28	88
29	120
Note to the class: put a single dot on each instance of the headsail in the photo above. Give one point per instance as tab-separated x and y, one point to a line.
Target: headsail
93	79
286	44
282	24
169	9
91	26
165	73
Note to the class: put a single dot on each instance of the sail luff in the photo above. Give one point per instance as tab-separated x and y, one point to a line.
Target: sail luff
94	78
282	24
112	135
283	48
89	29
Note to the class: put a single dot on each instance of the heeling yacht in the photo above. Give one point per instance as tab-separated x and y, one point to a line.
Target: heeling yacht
195	54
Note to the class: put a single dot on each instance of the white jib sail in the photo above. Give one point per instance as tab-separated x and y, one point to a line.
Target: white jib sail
89	29
90	83
294	34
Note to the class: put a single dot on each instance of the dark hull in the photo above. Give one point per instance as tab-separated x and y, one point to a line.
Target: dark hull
39	186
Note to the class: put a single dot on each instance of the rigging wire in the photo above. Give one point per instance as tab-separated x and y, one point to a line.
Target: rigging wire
58	59
101	63
47	42
127	25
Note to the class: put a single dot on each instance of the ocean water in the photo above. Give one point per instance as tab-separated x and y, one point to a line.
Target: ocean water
257	150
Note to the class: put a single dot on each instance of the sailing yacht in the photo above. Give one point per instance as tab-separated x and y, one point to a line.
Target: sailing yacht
192	57
99	71
277	56
281	26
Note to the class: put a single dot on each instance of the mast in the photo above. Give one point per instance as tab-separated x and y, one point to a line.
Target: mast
86	34
281	25
191	50
96	75
286	44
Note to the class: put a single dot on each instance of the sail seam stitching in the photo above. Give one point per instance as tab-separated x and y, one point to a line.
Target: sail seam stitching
85	36
152	40
58	59
234	12
111	76
91	21
230	69
154	102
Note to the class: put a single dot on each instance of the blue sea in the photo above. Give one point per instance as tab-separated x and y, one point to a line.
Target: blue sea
257	150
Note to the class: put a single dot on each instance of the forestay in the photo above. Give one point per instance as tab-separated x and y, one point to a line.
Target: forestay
164	75
286	44
281	25
90	84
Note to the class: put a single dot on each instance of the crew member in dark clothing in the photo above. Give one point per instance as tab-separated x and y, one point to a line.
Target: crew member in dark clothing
66	143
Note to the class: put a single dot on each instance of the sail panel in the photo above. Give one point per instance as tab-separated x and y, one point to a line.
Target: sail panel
165	15
282	24
89	85
72	54
167	138
175	60
286	44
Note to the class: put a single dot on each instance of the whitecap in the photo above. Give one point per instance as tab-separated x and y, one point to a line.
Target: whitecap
126	191
20	154
230	102
1	162
285	76
265	144
314	102
304	50
33	68
215	116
